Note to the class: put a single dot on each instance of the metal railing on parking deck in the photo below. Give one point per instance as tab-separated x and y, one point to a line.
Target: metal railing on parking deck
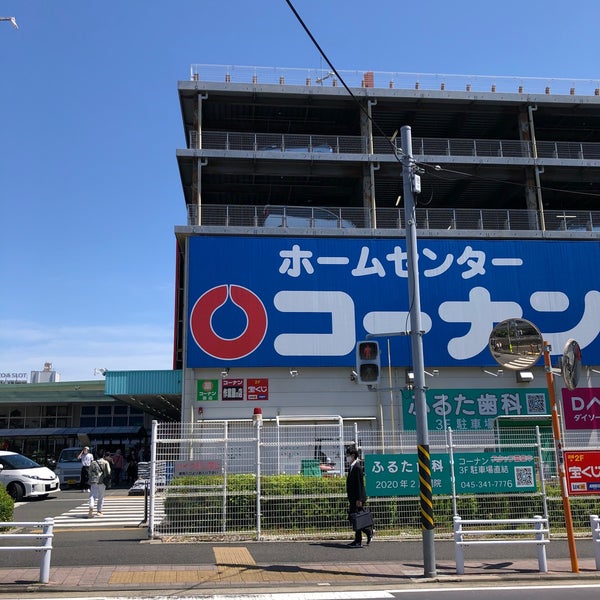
277	216
443	82
348	144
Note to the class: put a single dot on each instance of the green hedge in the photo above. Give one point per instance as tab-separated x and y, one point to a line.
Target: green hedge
7	505
296	503
195	503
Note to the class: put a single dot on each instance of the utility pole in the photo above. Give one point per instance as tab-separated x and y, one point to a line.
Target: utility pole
412	186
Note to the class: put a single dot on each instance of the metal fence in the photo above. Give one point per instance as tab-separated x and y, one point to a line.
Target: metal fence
285	479
348	218
275	144
394	79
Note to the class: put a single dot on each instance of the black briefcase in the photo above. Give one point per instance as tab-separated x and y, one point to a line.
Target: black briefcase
361	519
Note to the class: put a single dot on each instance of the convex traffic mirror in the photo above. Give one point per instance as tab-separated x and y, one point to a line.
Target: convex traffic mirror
516	344
571	364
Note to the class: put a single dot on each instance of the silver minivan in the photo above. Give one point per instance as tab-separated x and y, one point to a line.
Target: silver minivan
68	466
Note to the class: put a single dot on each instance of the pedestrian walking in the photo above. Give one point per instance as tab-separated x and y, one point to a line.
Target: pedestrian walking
132	468
99	477
357	495
117	466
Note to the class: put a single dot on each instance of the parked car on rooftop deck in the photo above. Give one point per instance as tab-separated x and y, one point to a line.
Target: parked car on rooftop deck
304	216
319	148
24	478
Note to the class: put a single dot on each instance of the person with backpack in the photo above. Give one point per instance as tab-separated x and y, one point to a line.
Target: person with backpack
99	479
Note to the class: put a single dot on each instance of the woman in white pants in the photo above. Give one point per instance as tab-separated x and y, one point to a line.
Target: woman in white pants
99	473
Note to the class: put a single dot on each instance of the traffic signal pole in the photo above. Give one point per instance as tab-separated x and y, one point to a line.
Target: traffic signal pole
411	185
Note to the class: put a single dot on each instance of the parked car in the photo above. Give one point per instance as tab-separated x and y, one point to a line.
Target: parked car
319	148
24	478
68	466
303	216
568	225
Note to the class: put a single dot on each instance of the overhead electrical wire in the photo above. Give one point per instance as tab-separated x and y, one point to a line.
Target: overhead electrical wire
436	169
341	80
399	151
390	140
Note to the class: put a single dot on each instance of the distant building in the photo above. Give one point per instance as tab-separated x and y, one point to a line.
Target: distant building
48	375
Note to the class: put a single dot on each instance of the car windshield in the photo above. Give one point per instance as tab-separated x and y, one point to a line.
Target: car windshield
17	461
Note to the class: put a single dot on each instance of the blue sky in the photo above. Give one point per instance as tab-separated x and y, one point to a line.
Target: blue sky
89	185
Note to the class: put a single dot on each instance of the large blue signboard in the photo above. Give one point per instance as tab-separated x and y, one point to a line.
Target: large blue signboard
269	301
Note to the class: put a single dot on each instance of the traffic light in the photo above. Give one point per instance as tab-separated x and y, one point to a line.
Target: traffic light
367	362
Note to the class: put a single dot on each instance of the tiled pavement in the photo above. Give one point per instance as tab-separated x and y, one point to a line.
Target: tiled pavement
234	568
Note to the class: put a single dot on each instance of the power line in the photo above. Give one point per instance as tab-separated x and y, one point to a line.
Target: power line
436	169
398	151
390	141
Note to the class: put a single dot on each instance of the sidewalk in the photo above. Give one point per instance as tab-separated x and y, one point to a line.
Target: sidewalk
235	569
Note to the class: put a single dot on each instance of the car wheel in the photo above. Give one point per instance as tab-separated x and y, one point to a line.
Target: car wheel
15	491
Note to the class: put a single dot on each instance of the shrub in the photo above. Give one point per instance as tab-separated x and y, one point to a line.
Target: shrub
297	503
7	505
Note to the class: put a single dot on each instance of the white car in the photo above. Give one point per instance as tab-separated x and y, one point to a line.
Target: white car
24	478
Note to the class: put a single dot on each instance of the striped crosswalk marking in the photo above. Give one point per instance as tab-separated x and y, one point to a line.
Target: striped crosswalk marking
117	511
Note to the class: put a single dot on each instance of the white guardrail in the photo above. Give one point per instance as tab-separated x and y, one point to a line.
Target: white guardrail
595	523
47	526
467	533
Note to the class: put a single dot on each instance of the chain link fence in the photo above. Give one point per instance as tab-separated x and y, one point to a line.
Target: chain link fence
285	479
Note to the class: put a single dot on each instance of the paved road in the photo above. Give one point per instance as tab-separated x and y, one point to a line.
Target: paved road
547	591
122	535
100	560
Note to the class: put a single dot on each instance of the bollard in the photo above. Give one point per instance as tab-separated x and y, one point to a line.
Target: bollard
47	530
458	549
539	525
595	523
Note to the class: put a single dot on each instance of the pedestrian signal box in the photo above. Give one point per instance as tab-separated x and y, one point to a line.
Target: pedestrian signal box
367	362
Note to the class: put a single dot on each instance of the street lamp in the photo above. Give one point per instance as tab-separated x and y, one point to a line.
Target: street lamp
12	20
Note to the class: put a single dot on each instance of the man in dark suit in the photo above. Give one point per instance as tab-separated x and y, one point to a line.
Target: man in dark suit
357	495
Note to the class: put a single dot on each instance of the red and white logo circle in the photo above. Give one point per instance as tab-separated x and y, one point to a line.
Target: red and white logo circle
228	348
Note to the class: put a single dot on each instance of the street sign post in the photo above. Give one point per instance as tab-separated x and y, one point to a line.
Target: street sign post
583	471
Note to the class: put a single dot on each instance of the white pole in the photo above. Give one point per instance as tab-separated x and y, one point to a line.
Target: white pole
46	554
152	479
